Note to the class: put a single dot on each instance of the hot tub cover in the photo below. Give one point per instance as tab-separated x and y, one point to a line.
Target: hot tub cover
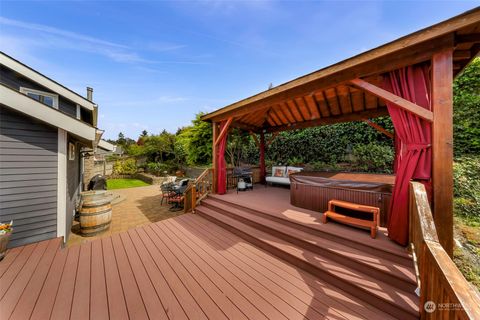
358	181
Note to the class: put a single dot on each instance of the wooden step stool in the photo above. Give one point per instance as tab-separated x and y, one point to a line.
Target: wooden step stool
339	217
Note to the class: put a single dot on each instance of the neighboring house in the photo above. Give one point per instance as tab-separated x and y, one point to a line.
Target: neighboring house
45	129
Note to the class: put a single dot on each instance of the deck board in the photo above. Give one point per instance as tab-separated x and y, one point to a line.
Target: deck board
14	269
181	268
46	299
342	303
227	307
27	301
152	302
9	259
63	300
189	304
98	287
280	291
116	300
81	295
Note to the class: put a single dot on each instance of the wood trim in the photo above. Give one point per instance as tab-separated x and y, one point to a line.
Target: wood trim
358	116
400	53
442	147
379	128
44	81
31	107
62	184
439	278
392	98
224	131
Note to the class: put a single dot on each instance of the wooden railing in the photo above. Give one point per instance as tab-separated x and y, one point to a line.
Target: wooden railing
198	190
444	292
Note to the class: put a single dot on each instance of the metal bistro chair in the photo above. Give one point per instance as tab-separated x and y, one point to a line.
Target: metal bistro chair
179	196
168	191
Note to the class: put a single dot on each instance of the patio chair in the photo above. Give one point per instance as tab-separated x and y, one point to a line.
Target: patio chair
179	196
168	191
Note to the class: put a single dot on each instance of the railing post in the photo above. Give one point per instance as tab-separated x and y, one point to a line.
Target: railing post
194	197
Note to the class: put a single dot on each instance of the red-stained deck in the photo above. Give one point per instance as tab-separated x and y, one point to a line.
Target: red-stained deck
181	268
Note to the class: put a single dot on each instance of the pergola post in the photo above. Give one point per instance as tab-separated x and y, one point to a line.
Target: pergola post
442	147
262	157
215	134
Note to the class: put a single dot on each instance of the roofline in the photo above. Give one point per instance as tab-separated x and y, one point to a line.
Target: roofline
105	145
31	107
45	81
422	35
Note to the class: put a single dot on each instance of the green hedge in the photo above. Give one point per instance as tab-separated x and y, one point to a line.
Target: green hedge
466	172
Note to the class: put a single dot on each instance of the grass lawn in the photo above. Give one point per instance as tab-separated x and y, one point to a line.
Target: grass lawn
125	183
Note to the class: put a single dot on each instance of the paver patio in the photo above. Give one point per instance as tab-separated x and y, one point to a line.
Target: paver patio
141	206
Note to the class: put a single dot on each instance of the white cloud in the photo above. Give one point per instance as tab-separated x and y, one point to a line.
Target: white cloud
38	35
58	32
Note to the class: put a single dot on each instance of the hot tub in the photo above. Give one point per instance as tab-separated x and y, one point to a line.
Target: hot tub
313	190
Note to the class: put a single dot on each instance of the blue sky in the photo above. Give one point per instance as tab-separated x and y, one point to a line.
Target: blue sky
154	64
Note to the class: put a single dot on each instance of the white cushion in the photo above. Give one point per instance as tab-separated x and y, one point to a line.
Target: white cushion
279	180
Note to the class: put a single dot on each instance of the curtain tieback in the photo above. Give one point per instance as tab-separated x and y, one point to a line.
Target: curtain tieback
417	146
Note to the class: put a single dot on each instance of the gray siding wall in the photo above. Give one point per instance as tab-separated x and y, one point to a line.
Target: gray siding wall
28	177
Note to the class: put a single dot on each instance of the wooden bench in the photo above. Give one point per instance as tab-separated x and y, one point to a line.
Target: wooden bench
343	218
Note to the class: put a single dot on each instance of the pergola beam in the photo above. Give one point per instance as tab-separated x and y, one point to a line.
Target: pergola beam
224	131
442	147
333	76
392	98
358	116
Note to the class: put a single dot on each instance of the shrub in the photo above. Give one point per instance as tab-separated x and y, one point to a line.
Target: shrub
126	166
466	187
159	168
373	157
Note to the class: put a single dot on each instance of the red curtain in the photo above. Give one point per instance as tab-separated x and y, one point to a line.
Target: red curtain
413	159
222	166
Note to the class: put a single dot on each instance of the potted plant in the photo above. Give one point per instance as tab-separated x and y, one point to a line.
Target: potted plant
5	232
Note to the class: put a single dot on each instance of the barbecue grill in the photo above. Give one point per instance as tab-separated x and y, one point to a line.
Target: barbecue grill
243	178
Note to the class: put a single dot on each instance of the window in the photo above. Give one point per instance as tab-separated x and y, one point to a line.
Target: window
47	98
71	151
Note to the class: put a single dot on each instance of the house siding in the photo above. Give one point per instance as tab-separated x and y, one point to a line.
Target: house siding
73	184
28	177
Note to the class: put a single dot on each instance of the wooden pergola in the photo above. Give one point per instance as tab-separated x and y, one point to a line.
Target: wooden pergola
351	90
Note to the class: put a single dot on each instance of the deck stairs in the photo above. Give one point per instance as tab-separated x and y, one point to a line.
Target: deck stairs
378	272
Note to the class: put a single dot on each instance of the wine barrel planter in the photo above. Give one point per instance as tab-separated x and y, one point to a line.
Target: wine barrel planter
95	213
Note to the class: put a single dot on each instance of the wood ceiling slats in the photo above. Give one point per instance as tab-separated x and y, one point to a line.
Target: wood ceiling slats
293	108
273	116
370	101
322	104
270	121
280	115
287	113
302	106
344	100
312	106
357	100
331	98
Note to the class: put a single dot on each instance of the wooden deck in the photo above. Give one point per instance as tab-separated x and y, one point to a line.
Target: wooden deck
181	268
